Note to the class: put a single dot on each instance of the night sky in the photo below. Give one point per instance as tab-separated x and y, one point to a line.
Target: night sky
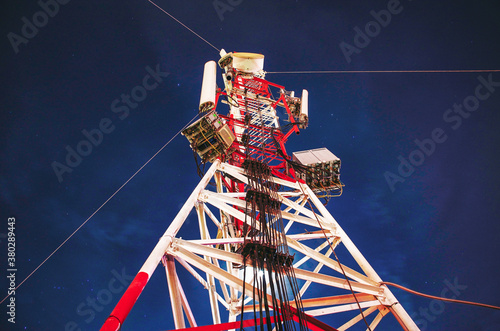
423	216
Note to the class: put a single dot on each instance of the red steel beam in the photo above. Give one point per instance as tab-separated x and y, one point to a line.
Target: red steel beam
228	326
127	301
312	323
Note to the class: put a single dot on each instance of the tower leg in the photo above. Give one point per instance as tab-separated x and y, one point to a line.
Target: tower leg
210	279
127	301
173	289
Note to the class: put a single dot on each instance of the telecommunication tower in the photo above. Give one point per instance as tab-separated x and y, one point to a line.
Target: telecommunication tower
263	252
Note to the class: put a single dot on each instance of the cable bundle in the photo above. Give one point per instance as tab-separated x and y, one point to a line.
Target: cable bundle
266	253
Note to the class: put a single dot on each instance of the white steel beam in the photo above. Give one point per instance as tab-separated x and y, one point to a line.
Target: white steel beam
199	278
240	240
316	270
310	214
330	263
307	258
335	300
208	251
185	304
226	277
222	284
210	280
156	255
212	216
304	220
357	318
175	297
216	199
399	312
227	232
376	321
338	282
342	308
239	173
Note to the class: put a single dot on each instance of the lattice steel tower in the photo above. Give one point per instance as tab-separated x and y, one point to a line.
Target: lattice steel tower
265	239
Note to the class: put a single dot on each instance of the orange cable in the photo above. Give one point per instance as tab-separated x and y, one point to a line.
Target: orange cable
440	298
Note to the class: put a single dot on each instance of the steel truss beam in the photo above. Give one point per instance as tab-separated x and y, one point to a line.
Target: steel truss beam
211	257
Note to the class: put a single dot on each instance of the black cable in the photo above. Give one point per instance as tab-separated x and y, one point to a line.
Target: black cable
338	261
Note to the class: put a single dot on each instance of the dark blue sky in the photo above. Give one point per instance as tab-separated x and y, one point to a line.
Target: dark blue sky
441	224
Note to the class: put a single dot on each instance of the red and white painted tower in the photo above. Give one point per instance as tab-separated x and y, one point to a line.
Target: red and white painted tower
265	240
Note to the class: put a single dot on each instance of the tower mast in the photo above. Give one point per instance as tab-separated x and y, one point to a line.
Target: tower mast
264	245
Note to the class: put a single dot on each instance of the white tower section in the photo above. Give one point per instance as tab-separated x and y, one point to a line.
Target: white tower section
211	259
